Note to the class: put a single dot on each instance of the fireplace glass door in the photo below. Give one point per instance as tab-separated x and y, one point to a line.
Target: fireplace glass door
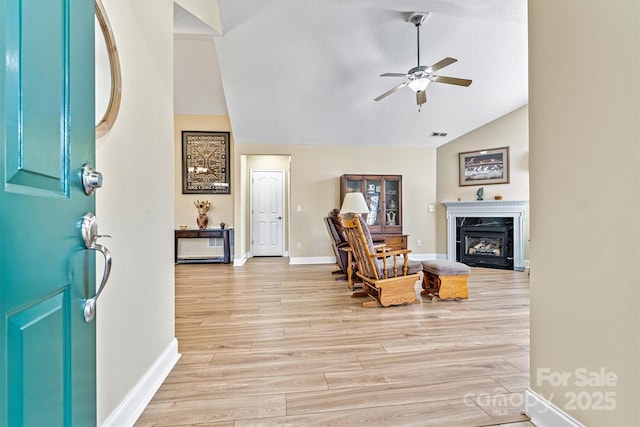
483	245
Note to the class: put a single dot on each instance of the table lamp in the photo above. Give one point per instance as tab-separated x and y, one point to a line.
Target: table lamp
354	203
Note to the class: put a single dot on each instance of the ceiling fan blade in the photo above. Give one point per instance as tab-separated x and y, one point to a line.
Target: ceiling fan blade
390	91
421	97
393	75
440	65
451	80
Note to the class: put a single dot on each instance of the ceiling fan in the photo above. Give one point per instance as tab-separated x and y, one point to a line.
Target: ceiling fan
419	77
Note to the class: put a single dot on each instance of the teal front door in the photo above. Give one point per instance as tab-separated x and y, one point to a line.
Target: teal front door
47	120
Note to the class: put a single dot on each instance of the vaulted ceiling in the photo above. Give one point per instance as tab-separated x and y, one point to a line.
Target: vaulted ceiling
307	71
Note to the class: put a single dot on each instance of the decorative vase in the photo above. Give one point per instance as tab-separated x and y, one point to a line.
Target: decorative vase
203	221
391	218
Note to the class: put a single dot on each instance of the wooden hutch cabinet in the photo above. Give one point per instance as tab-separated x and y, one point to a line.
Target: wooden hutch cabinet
383	194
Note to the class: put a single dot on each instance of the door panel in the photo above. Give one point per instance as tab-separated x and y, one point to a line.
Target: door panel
267	212
42	92
47	127
37	379
36	95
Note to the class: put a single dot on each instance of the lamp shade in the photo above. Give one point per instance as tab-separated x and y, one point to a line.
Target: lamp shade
354	203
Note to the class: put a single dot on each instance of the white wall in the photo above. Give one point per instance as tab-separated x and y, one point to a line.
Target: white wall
585	205
135	314
198	85
205	10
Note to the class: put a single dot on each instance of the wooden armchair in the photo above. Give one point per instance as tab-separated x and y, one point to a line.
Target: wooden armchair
389	277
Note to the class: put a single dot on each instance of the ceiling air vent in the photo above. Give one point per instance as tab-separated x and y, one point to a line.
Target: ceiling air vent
440	134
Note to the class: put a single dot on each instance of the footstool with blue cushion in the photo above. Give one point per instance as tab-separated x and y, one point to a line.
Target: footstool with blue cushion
445	279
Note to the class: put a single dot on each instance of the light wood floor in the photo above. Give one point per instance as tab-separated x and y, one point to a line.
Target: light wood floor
270	344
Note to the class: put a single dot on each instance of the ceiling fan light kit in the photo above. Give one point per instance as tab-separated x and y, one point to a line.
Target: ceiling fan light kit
418	85
419	77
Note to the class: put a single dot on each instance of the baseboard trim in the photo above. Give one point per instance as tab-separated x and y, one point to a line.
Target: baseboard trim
545	414
424	257
312	260
139	397
239	262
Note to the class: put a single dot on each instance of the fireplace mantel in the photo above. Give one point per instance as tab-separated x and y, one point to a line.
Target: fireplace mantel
488	208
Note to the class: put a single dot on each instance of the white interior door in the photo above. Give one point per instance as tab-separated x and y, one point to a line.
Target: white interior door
267	213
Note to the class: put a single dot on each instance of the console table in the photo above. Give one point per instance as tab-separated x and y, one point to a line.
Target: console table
212	233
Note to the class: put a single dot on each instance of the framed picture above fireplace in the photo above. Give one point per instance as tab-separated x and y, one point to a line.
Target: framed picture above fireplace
484	167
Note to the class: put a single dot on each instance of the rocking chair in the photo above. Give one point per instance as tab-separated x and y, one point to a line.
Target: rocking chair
388	276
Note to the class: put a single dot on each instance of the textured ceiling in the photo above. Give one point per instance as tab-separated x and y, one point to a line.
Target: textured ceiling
307	71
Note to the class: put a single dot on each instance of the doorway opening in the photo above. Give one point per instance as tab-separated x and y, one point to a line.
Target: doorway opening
266	204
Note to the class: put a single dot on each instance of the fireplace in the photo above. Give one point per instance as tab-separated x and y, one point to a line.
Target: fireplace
486	233
485	242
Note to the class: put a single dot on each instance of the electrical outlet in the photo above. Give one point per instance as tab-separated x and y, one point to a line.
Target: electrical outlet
432	208
298	245
418	242
299	209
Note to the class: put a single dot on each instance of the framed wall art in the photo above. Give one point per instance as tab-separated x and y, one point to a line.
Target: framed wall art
205	163
484	167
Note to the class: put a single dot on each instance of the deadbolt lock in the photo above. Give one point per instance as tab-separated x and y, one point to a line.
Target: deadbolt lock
91	179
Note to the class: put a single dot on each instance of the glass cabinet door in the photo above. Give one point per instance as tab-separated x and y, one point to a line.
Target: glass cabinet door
372	189
392	200
353	186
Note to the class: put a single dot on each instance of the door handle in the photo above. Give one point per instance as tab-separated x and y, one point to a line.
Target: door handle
90	236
